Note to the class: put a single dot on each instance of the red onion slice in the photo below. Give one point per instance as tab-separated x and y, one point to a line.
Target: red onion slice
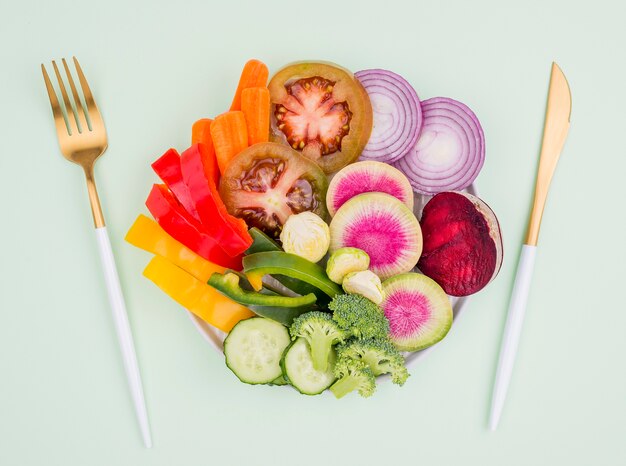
450	150
397	115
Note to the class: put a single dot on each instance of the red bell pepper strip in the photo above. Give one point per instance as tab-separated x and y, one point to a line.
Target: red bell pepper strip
178	223
198	166
167	167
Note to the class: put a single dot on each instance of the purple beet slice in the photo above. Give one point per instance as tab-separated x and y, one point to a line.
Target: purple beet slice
367	177
462	243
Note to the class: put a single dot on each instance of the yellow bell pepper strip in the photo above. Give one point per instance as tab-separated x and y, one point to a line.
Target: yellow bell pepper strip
282	309
257	265
146	234
196	296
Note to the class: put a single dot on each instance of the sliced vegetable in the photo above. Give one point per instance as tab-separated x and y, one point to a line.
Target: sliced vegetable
450	150
201	134
383	227
263	243
253	350
254	74
255	105
167	167
367	177
177	222
462	243
397	115
322	111
230	136
228	284
297	366
345	260
418	310
194	295
268	182
146	234
256	266
306	235
198	167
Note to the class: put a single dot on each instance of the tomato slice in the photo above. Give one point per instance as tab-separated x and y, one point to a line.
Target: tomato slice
267	182
321	111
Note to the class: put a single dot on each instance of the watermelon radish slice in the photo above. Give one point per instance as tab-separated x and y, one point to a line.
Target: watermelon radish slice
383	227
367	177
418	310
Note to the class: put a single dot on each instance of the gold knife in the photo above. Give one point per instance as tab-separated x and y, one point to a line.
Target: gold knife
558	111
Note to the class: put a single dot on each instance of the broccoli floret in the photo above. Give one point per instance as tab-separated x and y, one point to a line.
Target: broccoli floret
359	316
353	375
321	332
380	355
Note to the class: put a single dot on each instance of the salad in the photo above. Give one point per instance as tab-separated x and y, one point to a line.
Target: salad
289	224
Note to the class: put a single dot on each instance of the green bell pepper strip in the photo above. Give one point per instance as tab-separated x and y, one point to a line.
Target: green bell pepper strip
228	285
263	243
257	265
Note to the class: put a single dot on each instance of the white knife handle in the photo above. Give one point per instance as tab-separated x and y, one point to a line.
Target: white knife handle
512	331
124	334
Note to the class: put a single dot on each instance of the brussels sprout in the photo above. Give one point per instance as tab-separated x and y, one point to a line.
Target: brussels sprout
366	283
346	260
306	235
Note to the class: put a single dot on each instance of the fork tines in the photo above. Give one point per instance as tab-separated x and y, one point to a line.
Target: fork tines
74	115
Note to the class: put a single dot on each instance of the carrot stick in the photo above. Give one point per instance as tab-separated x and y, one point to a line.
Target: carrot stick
255	105
230	136
200	131
254	74
201	134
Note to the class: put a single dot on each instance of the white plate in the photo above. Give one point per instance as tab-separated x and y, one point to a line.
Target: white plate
216	337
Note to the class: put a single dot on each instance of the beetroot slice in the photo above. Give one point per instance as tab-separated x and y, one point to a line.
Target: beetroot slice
462	243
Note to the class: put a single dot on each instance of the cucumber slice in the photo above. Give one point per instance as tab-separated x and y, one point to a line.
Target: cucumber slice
298	369
253	350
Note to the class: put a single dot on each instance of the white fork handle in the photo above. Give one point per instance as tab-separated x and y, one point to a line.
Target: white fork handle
124	334
512	331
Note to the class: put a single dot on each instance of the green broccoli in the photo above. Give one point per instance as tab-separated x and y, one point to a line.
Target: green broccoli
380	355
321	332
353	375
359	316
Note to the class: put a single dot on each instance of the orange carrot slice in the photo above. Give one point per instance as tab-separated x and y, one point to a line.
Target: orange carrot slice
230	136
255	105
254	74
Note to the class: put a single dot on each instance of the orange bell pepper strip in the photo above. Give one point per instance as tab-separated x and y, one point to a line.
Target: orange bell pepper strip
197	297
146	234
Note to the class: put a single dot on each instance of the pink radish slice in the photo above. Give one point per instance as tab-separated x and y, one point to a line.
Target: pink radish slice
462	243
450	150
418	310
365	177
383	227
397	115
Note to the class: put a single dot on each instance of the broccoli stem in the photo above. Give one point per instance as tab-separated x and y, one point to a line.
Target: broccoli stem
344	386
320	350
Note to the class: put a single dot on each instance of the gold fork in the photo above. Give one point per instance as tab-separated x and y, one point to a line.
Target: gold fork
82	138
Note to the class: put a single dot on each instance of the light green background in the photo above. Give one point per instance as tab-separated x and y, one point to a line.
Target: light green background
157	66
